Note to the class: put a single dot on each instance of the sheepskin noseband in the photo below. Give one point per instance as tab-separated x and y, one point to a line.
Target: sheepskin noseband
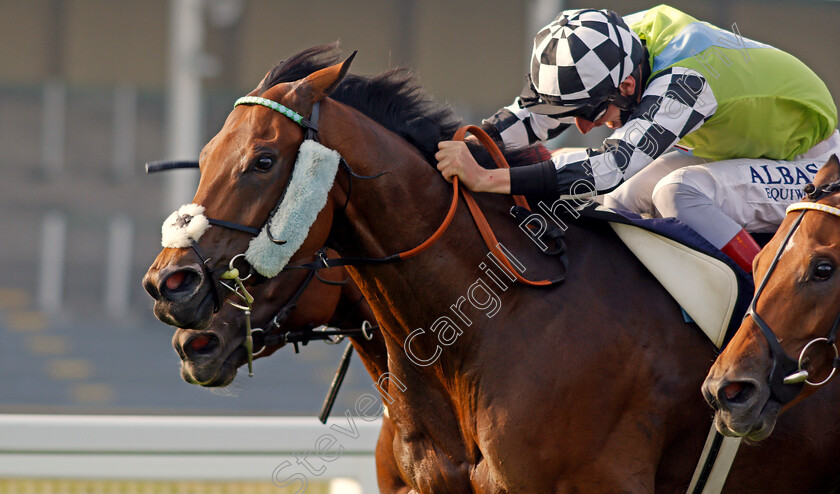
184	226
305	197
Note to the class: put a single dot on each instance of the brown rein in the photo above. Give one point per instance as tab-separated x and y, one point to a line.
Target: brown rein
480	220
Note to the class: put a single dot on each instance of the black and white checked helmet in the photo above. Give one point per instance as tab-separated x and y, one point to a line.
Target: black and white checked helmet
582	56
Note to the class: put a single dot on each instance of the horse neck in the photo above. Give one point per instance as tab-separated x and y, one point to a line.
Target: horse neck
394	213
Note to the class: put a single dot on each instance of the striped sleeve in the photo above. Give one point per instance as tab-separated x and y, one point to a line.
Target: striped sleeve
519	128
674	104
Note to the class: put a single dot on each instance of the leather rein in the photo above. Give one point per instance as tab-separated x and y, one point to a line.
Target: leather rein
787	377
478	216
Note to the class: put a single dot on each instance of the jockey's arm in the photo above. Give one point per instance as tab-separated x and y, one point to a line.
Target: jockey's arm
455	159
673	105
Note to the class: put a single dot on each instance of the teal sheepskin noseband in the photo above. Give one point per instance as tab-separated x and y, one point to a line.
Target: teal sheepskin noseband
306	195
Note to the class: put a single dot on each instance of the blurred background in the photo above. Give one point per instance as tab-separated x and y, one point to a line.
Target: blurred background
92	89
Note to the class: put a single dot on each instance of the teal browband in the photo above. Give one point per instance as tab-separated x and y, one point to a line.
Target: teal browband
256	100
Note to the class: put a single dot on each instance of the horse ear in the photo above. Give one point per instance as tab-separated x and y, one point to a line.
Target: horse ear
324	81
261	86
830	172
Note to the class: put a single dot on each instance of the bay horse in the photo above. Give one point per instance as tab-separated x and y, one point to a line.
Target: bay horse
796	312
589	386
290	304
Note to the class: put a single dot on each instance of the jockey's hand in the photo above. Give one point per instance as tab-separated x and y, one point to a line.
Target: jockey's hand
455	160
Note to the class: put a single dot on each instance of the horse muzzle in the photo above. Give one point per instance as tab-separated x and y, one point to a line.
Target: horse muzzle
743	406
206	357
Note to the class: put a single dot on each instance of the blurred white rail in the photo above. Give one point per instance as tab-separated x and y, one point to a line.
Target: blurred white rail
190	448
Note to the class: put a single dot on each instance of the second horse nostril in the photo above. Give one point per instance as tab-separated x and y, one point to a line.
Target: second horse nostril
736	392
732	390
202	345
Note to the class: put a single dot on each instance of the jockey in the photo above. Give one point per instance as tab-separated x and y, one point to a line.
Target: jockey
753	124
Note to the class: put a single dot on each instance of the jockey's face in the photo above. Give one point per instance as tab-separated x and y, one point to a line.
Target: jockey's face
612	117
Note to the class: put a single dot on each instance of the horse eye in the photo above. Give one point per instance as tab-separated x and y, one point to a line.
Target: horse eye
264	163
823	271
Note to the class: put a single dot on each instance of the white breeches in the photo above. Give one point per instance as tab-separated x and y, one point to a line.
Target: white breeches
718	199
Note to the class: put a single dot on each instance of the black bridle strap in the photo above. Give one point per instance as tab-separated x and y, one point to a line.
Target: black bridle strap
270	337
158	166
783	365
326	262
312	123
305	336
235	226
206	267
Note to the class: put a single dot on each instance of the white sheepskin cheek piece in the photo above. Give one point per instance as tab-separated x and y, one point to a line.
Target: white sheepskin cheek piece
306	195
186	224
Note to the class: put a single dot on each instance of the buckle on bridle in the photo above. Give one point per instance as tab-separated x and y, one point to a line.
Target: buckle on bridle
802	375
323	257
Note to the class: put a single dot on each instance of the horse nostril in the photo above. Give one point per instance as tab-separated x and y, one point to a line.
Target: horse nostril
735	393
174	281
202	345
732	389
179	285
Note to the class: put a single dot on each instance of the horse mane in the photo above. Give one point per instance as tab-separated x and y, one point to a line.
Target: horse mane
395	99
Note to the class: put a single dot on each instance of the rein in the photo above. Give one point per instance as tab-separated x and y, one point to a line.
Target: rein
481	222
787	376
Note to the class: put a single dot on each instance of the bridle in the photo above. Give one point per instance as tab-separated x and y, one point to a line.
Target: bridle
272	334
787	376
258	339
311	127
311	133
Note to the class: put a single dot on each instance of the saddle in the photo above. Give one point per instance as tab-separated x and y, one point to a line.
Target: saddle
711	289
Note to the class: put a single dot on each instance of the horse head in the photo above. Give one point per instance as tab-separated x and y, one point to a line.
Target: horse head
246	171
794	313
